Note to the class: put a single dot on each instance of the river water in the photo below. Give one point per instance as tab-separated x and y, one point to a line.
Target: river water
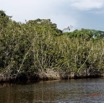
69	91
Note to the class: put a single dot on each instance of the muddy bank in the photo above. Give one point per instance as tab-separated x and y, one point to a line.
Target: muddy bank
48	74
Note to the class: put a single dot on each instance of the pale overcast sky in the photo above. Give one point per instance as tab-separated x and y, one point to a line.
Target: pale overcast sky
78	13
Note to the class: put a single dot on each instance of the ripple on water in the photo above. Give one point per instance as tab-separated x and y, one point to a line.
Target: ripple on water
70	91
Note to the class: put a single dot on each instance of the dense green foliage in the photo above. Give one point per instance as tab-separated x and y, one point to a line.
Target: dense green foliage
37	45
86	34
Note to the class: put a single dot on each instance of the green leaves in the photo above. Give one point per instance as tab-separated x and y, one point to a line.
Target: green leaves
38	44
86	34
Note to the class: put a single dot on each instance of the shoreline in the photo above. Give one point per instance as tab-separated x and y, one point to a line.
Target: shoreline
47	75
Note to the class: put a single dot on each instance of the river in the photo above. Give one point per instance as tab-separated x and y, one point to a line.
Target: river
64	91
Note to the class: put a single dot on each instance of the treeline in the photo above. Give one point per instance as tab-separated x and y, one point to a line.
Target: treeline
27	49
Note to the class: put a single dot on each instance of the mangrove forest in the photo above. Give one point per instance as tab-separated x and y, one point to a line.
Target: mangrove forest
38	50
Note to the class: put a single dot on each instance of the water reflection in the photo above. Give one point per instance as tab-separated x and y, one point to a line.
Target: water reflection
72	91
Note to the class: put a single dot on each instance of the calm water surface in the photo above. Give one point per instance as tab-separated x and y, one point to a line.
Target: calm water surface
71	91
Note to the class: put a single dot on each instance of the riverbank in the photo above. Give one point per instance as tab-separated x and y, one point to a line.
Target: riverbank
48	74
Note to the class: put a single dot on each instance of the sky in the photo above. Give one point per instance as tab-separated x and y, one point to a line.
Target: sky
79	14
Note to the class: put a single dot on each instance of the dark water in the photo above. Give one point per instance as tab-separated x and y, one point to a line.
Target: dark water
72	91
